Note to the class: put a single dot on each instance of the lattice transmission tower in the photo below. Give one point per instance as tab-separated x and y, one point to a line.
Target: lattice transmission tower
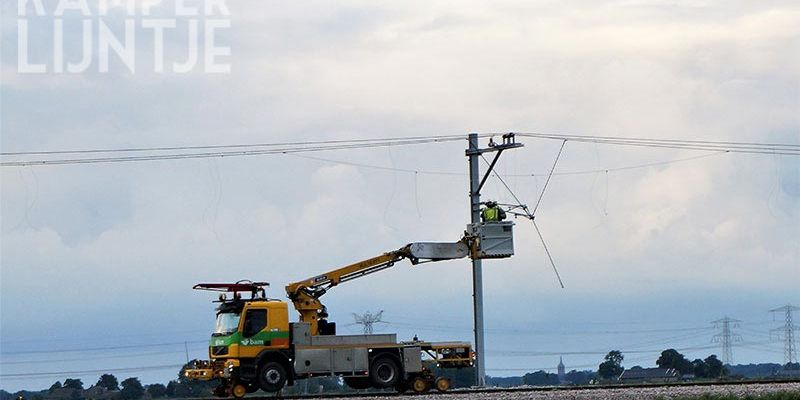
786	332
726	337
368	319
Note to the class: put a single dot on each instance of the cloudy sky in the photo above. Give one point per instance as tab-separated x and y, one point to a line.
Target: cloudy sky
101	257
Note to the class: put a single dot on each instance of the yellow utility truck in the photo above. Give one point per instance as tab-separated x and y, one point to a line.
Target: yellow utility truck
254	346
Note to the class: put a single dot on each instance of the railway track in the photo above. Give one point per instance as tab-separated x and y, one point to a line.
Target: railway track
497	390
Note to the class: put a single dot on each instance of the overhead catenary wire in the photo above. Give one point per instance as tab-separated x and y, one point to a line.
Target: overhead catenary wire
195	155
587	138
254	149
768	148
228	146
272	149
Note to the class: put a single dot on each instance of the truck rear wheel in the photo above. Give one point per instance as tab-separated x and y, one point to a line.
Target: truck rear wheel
384	372
271	376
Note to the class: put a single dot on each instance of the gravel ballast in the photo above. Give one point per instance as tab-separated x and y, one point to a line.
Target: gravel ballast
645	393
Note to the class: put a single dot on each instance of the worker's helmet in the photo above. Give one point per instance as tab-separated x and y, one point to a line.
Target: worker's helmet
491	203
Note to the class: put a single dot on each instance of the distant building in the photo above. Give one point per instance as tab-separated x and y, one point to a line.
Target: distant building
650	375
562	372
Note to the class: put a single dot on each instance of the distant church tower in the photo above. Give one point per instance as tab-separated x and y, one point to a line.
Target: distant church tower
562	374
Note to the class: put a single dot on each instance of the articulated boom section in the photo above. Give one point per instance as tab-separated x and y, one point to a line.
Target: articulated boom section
305	294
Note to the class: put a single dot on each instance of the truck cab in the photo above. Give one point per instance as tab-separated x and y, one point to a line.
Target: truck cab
250	345
245	329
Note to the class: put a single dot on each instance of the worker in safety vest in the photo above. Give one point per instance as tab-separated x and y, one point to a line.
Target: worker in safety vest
492	212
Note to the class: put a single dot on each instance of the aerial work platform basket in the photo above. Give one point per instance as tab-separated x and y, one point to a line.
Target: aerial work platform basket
492	239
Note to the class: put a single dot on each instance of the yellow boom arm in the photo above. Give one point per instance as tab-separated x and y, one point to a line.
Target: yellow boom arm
305	294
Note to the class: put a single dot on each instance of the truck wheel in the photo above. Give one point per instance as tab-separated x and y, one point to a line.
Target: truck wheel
271	376
442	384
357	383
384	372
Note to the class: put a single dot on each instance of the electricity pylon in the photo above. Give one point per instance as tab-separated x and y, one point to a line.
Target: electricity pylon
726	337
786	332
368	319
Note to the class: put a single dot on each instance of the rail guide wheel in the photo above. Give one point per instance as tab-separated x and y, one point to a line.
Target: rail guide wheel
420	385
238	390
442	384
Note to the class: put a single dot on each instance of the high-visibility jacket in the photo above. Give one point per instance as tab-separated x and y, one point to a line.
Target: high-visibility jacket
490	214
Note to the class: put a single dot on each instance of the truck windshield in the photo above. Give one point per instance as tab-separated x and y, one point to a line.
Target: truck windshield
227	323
